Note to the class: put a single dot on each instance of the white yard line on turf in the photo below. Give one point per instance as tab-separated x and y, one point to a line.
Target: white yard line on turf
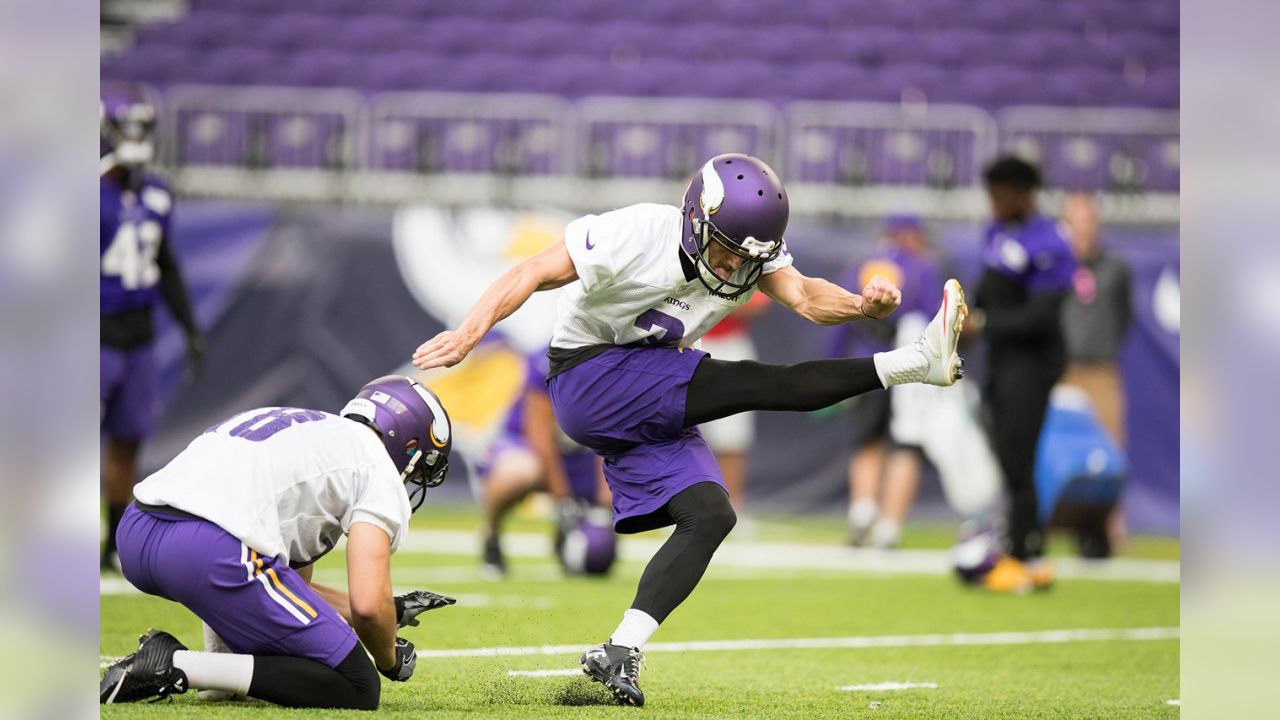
795	556
868	641
1173	702
114	585
888	686
865	641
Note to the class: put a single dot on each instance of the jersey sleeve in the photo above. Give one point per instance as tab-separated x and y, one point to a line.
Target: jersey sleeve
1052	263
381	502
603	247
784	259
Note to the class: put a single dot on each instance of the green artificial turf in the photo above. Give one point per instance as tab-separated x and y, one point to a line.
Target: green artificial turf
1082	679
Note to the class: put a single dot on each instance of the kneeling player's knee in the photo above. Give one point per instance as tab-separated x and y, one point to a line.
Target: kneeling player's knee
358	670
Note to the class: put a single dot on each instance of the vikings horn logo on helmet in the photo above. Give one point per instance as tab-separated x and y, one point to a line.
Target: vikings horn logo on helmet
712	196
440	420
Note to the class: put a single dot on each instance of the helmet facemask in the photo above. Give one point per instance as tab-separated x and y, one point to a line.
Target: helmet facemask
422	471
754	254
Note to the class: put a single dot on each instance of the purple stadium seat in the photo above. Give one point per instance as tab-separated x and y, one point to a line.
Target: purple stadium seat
879	45
1162	158
323	68
953	48
375	33
540	37
201	29
456	35
213	138
1044	51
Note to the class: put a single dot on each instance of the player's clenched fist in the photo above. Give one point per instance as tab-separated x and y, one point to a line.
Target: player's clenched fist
879	298
444	350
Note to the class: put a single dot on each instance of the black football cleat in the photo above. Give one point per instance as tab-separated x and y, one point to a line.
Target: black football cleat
617	668
147	673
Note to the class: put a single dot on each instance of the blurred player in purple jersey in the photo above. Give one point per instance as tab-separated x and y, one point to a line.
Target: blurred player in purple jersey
1027	277
641	285
137	267
879	464
531	452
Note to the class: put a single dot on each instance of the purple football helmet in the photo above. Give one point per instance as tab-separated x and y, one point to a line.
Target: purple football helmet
737	201
414	428
127	122
587	544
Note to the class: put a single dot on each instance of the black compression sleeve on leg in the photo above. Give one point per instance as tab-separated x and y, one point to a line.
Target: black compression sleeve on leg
703	519
720	388
300	682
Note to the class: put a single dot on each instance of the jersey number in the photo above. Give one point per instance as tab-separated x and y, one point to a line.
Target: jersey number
264	425
672	328
131	256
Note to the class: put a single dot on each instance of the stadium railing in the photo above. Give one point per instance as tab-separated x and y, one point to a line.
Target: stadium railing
841	159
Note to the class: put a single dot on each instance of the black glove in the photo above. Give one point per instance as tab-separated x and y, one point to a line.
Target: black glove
406	662
195	358
410	605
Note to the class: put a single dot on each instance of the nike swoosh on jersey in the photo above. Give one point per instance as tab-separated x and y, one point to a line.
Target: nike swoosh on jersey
589	245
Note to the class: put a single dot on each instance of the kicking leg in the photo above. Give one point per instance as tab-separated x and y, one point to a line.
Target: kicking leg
719	388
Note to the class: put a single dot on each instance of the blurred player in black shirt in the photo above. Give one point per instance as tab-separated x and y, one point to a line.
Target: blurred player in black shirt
1028	267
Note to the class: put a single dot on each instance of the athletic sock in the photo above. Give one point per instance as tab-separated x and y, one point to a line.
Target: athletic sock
635	629
862	513
216	671
904	365
886	534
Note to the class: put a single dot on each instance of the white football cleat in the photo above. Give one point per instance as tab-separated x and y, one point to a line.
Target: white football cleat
938	343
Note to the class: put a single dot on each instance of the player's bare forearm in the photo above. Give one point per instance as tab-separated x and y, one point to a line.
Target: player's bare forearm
373	611
337	599
378	635
825	303
549	269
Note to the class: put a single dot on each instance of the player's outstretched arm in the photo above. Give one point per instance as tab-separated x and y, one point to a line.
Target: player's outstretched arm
373	611
826	303
549	269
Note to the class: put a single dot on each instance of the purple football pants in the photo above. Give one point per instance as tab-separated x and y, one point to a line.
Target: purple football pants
257	605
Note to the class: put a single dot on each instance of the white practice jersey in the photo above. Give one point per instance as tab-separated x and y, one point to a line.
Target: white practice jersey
287	482
632	286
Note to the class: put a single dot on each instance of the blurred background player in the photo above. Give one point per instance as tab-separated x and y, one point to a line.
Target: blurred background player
884	474
533	453
730	438
1095	322
1028	267
137	268
232	526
